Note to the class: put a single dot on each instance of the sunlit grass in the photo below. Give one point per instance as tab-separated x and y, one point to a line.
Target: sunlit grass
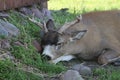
88	5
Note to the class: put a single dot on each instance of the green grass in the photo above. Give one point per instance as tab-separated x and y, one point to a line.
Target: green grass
108	73
27	55
8	71
30	31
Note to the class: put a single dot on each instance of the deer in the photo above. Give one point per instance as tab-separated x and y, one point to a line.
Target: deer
91	36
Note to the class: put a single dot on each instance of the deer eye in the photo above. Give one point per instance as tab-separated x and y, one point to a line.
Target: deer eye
59	45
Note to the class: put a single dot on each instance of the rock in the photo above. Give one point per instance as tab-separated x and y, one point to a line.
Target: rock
3	15
37	13
37	45
3	31
53	78
83	70
26	10
8	29
4	44
71	75
18	43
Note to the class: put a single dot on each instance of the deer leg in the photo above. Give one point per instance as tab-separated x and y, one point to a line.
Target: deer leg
109	56
62	58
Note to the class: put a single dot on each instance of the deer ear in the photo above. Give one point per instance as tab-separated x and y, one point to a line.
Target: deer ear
77	35
50	25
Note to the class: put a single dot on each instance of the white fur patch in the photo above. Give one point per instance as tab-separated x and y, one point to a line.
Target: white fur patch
63	58
47	51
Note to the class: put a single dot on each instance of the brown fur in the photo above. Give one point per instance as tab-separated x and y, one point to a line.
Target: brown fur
102	38
101	41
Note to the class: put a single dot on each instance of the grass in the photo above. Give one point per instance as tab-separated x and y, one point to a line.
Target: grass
87	5
30	31
8	71
108	73
27	55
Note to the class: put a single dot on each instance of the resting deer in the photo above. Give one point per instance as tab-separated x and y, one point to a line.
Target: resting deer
92	36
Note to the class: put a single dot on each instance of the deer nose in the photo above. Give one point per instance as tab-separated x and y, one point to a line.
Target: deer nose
47	57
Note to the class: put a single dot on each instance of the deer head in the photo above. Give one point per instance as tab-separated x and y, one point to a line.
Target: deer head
50	39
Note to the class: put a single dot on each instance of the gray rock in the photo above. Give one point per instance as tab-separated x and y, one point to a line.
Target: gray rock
26	11
83	70
8	29
71	75
3	31
3	15
4	44
53	78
